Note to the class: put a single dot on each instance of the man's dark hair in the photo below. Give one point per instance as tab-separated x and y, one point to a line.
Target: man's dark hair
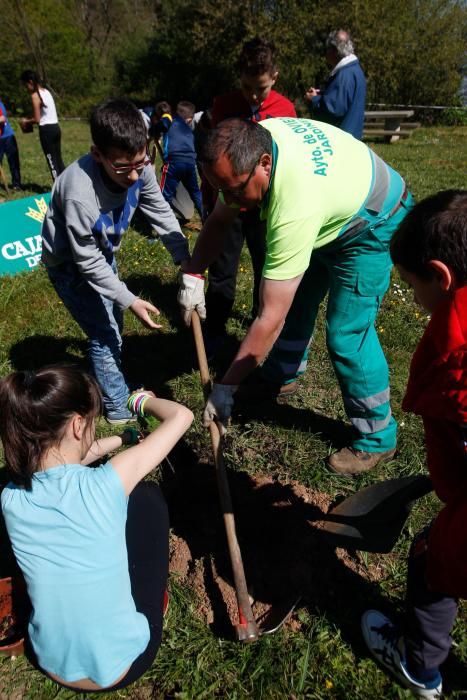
242	141
185	109
257	57
435	229
117	123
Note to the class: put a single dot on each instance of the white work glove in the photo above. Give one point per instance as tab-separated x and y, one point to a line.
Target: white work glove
191	296
219	405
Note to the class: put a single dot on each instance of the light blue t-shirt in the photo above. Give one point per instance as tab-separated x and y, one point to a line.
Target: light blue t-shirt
68	535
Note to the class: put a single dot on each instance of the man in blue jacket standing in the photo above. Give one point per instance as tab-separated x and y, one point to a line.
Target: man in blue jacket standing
341	101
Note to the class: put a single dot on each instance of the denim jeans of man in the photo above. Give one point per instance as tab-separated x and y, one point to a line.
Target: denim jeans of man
102	321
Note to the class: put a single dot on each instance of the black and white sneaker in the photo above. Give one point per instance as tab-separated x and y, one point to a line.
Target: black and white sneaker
387	646
122	418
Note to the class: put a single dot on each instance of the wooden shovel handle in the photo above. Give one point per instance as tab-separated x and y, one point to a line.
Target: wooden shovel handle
247	629
201	353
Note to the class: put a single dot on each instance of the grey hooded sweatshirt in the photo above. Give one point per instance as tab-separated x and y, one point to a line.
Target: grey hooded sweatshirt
85	222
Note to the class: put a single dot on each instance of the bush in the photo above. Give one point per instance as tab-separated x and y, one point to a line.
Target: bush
454	116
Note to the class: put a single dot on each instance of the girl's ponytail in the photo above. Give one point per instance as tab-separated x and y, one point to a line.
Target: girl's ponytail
31	76
35	408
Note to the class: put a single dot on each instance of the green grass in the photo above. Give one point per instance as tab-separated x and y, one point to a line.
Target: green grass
325	658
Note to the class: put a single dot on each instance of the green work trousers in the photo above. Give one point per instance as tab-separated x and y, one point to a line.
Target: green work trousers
355	274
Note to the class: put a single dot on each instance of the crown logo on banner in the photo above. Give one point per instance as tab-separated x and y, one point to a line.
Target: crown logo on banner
39	213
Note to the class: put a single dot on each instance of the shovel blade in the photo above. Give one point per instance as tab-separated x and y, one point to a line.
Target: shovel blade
366	537
372	519
379	502
274	618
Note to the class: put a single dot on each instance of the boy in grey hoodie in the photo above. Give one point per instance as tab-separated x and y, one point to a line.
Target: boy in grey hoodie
92	205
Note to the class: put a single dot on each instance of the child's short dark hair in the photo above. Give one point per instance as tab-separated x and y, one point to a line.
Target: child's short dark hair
35	408
161	108
186	110
435	229
117	123
257	57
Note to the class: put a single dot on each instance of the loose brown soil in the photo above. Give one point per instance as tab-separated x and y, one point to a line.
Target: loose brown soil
284	552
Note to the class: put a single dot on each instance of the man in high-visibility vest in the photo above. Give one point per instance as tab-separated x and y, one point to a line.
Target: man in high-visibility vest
331	206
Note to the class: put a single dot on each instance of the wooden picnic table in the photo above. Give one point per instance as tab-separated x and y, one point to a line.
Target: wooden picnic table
389	123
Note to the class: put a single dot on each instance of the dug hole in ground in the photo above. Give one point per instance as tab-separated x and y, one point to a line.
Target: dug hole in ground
284	552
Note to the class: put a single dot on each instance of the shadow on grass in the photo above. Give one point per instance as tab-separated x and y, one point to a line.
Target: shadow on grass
330	430
37	351
33	188
153	360
454	673
162	294
149	360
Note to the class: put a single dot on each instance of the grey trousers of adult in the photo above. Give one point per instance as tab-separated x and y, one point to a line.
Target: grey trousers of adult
220	295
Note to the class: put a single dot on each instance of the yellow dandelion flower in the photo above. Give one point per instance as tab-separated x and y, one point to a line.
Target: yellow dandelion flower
328	684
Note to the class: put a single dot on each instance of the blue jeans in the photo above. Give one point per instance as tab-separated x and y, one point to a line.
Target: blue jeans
102	322
9	147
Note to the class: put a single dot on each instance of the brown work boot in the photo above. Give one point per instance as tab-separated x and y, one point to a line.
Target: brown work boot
260	390
351	461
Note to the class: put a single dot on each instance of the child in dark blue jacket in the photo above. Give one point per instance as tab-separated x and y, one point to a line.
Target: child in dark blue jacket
178	153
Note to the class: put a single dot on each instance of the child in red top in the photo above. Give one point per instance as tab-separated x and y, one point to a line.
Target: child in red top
254	100
430	252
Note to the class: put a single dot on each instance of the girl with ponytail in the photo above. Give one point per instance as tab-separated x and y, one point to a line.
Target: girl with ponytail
92	543
45	115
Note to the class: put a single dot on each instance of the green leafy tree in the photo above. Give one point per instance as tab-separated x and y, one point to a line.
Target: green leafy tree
411	50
